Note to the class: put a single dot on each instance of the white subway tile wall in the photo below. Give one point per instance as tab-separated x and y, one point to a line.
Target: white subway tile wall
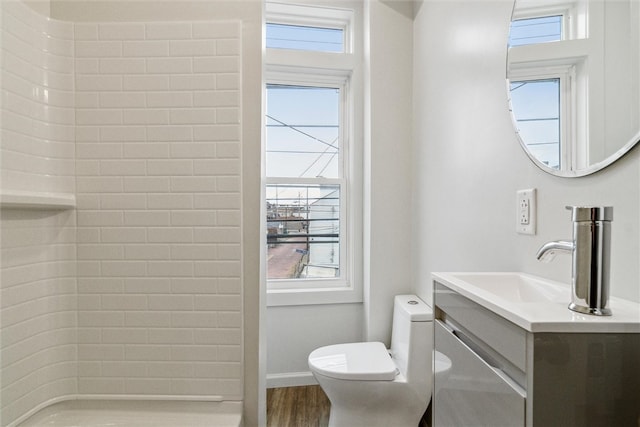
38	295
38	310
38	116
137	291
158	190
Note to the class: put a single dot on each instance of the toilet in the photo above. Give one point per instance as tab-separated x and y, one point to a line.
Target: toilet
369	385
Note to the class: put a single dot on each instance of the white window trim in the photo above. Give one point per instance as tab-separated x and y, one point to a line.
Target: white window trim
325	68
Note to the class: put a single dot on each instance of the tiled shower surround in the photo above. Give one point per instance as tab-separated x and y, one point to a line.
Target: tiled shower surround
158	188
38	299
138	290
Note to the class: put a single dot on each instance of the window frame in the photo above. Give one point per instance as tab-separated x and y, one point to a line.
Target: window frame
323	69
295	79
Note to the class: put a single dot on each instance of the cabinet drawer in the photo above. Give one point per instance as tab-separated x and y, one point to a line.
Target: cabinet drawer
473	393
507	339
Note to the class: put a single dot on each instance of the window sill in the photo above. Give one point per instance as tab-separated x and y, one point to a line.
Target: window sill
316	296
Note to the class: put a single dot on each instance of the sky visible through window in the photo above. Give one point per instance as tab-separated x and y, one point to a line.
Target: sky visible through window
302	131
536	102
535	30
280	36
303	143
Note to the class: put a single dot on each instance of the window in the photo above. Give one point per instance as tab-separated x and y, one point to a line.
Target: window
304	181
536	106
536	30
303	131
284	36
311	180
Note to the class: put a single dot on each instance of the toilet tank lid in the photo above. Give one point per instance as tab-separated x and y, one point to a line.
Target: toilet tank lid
413	307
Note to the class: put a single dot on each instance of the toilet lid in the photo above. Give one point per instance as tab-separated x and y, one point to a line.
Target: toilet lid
363	361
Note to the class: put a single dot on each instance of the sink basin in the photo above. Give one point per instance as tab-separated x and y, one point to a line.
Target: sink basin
516	287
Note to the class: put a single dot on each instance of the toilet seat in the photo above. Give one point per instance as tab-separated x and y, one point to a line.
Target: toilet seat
363	361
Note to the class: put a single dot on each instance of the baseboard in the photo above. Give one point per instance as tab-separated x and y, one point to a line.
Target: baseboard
290	379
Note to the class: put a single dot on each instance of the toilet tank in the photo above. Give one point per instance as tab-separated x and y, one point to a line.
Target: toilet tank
412	337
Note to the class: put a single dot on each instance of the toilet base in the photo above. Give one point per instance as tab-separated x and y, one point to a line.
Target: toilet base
367	418
375	403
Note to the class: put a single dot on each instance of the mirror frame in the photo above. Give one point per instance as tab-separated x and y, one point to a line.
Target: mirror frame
596	167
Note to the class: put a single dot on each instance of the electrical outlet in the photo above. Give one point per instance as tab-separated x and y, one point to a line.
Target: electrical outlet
526	211
524	214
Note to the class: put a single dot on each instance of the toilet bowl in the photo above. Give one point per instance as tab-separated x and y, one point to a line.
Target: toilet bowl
369	385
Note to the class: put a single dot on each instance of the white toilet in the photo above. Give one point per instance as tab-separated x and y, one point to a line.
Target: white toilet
369	385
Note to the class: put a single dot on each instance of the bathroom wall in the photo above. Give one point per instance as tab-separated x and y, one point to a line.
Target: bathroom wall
37	259
164	205
468	164
159	208
38	310
245	204
38	115
388	231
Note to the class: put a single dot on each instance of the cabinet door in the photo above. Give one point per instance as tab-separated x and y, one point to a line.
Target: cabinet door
473	393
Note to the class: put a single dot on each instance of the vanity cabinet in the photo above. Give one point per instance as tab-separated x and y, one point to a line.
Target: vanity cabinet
504	375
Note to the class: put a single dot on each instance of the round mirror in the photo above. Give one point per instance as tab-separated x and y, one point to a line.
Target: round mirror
573	78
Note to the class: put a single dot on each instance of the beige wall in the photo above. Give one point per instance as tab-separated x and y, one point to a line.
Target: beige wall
158	171
43	7
250	13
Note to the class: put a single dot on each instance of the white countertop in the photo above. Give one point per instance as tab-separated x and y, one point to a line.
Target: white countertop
543	315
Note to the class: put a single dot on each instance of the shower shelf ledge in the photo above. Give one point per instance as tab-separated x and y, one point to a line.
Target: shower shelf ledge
36	200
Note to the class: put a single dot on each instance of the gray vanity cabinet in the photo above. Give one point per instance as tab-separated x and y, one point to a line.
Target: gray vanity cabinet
475	393
503	375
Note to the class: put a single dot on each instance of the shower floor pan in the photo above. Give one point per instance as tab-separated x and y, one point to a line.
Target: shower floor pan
126	413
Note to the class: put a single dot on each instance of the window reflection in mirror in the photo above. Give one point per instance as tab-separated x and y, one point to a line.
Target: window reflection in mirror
535	30
578	61
537	103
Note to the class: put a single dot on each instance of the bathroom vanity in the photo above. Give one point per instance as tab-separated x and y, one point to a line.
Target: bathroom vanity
519	357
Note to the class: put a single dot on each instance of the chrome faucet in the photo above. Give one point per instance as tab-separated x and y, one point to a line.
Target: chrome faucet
591	254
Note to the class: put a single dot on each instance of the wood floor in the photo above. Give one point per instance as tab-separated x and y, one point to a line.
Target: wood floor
305	406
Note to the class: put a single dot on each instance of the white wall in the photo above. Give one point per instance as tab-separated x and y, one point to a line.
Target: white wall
38	254
388	118
250	14
468	164
295	331
141	316
158	165
38	114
